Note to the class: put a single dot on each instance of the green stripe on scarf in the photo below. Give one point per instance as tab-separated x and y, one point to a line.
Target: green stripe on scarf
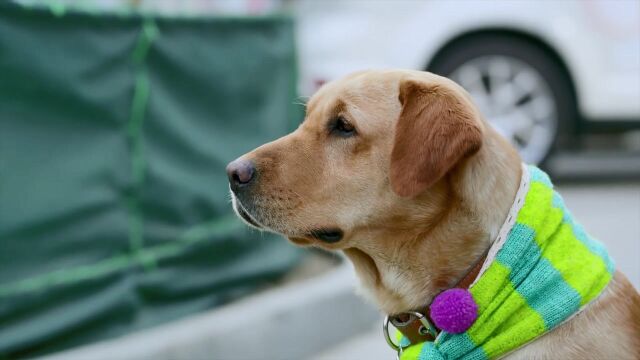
546	271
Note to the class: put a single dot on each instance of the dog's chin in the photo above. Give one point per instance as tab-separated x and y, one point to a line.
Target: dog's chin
300	241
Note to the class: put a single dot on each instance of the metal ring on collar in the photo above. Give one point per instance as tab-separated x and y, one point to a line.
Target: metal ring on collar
387	337
423	319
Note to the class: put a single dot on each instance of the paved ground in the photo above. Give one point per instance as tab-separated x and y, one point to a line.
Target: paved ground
609	211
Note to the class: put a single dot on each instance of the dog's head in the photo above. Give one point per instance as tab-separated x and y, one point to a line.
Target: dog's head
372	146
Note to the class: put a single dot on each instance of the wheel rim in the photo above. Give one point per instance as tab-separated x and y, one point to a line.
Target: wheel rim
515	99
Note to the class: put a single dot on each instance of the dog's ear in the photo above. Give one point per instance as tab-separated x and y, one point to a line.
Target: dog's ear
436	129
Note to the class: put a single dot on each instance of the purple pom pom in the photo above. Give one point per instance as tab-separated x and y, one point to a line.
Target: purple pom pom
454	310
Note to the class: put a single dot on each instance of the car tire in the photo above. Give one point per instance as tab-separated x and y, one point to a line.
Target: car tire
528	60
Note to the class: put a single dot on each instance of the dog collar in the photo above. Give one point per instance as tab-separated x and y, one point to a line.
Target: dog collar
418	326
541	269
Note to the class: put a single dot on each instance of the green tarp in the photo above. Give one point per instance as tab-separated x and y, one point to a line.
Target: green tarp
114	135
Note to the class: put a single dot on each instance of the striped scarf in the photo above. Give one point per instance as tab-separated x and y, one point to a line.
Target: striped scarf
544	270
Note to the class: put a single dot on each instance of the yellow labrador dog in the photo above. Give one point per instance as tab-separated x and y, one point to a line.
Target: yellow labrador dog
399	170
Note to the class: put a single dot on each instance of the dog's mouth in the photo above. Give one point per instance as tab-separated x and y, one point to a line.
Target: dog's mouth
330	236
246	217
244	214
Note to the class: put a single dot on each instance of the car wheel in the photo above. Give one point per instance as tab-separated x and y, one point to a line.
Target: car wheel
518	86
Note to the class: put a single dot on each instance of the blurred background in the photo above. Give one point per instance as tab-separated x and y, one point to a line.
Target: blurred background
117	118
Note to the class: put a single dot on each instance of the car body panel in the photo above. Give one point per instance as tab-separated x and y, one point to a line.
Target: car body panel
599	41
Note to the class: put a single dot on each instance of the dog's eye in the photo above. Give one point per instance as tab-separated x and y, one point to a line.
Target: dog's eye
341	127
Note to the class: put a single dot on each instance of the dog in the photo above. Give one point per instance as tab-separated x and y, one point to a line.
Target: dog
398	170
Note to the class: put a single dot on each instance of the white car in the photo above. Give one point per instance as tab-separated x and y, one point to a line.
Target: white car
541	71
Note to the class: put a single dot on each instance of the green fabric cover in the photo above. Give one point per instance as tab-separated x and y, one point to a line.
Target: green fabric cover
114	135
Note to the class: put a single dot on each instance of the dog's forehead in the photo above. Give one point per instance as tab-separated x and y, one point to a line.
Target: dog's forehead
359	92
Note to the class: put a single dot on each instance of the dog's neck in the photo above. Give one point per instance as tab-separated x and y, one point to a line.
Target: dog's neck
412	266
489	181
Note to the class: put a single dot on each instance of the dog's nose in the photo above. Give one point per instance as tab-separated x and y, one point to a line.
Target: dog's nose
240	173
